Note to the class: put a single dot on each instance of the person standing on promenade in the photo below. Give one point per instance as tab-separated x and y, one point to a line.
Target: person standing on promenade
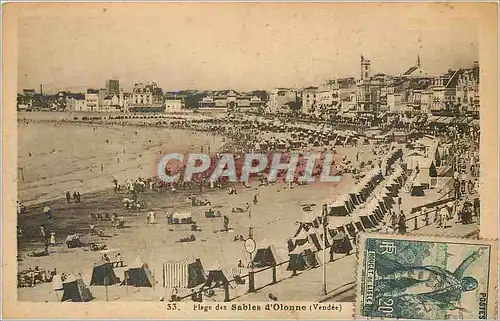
402	223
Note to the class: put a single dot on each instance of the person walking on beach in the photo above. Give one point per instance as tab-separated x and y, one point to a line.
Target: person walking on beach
443	217
42	232
68	197
52	238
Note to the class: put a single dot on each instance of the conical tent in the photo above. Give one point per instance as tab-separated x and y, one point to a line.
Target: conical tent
300	258
265	255
217	277
75	290
341	244
138	274
103	274
315	240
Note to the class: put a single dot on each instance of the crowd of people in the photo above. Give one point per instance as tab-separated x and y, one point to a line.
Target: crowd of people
249	138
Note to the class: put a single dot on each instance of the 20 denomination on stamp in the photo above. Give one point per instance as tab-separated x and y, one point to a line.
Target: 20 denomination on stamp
426	278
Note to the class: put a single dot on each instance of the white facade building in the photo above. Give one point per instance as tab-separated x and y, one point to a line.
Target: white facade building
173	105
92	100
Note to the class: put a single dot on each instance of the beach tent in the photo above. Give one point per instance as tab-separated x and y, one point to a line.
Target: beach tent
73	241
314	239
103	272
348	203
265	255
338	209
75	290
388	200
351	230
310	220
182	218
379	215
138	274
300	239
217	277
390	191
373	219
302	258
354	198
341	244
417	190
366	222
359	226
186	273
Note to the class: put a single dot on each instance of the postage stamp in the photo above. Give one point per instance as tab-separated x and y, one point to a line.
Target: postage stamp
431	278
225	169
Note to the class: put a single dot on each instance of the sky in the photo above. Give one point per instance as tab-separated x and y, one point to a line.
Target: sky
212	46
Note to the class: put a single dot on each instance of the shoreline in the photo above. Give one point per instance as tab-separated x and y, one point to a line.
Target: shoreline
82	168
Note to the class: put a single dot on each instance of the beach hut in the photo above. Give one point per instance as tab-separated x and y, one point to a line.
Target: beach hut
186	273
75	290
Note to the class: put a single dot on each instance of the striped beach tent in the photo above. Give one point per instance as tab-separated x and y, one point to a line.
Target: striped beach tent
186	273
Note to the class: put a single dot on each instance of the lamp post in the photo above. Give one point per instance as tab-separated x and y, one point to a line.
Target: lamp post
250	248
324	221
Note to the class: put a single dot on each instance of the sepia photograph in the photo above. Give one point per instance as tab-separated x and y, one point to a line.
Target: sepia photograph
229	155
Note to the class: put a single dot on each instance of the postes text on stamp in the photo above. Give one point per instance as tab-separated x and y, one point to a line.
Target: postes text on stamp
426	278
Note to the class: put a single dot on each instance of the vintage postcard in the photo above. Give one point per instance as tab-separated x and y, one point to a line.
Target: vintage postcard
426	278
219	160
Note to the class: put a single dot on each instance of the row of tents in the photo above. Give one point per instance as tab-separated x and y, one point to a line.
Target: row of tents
74	288
189	272
363	208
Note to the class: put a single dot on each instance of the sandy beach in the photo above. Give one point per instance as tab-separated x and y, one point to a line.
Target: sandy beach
77	147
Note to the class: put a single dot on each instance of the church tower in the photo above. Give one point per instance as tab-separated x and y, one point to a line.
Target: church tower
365	68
